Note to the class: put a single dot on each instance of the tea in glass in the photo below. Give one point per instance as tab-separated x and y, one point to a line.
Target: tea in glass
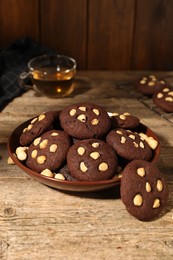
53	75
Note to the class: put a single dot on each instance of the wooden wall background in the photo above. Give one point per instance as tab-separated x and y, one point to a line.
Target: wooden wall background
100	34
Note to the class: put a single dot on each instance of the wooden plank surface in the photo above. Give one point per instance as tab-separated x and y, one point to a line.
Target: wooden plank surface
63	27
153	37
38	222
100	34
18	18
110	34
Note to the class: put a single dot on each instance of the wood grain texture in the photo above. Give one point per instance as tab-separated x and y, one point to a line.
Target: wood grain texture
38	222
99	34
18	18
63	27
110	34
153	38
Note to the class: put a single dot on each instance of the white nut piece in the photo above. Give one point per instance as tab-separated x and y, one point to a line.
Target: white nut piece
119	172
162	81
152	142
54	134
95	145
141	171
151	83
96	111
122	117
156	203
95	121
53	148
59	176
170	93
119	132
47	173
43	144
144	136
141	138
165	90
141	144
120	175
34	154
169	99
82	118
103	167
83	167
152	77
41	117
143	81
34	120
159	185
94	155
37	141
115	114
148	187
127	114
25	129
41	159
132	136
21	148
29	127
137	200
72	112
159	95
10	161
82	108
81	150
135	144
22	155
123	140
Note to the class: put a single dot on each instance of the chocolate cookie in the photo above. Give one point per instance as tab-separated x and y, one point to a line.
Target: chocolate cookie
144	190
48	151
129	145
125	120
38	126
164	99
148	85
85	120
92	160
66	173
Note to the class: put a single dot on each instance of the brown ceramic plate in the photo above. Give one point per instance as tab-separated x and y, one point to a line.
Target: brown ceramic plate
67	185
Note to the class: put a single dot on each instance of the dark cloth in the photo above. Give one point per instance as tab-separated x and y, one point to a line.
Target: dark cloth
13	61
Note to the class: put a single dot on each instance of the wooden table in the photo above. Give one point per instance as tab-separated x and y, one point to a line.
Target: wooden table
38	222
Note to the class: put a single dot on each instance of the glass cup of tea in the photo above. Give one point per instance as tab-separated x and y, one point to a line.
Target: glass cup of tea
51	75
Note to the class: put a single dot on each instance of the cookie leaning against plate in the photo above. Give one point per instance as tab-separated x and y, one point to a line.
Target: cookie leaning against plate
164	99
148	85
48	151
92	160
125	120
37	126
129	145
144	190
85	120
